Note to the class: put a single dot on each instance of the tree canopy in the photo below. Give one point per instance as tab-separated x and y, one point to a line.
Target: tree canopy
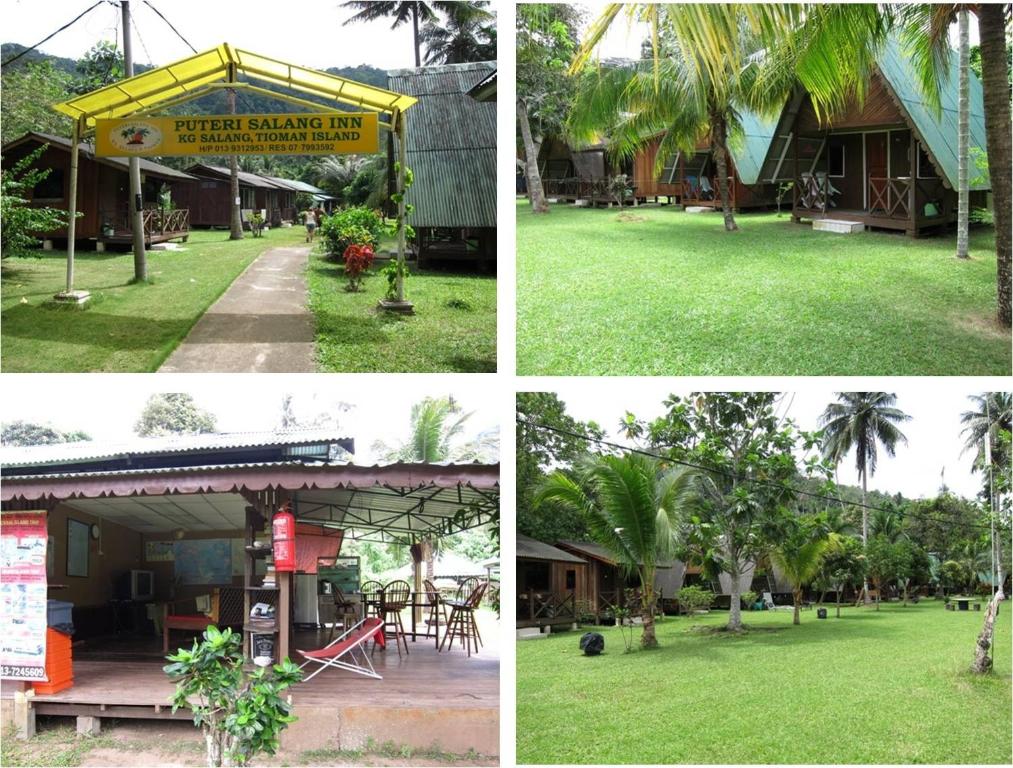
173	413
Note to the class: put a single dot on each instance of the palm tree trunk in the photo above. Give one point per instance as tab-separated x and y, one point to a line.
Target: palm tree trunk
963	130
648	639
720	147
995	87
415	34
797	600
535	192
982	659
865	535
839	590
235	219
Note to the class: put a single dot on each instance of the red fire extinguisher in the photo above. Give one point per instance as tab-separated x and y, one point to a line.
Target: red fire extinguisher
283	535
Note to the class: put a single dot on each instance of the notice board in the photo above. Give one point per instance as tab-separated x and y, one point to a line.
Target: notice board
23	544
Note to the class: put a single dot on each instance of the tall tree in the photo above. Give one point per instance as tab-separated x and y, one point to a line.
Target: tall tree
416	13
862	421
467	33
173	413
632	509
751	460
546	41
963	136
31	433
25	95
992	413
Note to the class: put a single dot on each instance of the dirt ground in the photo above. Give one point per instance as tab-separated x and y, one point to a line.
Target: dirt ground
167	744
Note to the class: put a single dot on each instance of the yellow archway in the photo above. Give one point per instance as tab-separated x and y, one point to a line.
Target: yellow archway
217	68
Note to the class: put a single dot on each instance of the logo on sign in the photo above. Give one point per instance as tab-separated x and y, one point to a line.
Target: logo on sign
136	136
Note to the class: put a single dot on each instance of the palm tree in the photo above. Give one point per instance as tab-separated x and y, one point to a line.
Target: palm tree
631	506
963	135
862	421
887	521
992	413
798	554
335	172
416	12
467	34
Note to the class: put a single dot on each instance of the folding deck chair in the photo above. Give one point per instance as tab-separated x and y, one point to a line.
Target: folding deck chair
346	651
768	601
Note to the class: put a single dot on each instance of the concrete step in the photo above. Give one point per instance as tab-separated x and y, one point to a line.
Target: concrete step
700	209
530	633
839	226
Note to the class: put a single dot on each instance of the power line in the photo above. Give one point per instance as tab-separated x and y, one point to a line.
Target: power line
77	18
744	478
178	33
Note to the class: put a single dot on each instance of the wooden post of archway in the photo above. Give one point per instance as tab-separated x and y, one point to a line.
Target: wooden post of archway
69	294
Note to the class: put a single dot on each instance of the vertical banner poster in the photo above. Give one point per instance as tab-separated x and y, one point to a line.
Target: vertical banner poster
23	540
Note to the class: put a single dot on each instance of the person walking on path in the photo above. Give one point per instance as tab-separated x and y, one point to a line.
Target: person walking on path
311	224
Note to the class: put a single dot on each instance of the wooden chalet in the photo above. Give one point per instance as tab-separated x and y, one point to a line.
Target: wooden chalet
889	163
551	584
570	174
160	530
692	179
451	145
211	199
103	192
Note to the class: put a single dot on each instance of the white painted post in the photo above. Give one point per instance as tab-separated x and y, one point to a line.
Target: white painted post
75	140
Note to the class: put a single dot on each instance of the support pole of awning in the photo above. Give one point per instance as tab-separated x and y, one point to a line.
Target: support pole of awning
69	295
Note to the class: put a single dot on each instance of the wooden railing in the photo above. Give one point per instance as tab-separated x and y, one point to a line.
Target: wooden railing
811	195
575	187
692	193
533	605
158	222
890	197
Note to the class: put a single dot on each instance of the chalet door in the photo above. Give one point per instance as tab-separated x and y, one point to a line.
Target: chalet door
876	164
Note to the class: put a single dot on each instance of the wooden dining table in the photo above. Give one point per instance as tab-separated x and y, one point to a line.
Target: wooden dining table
415	601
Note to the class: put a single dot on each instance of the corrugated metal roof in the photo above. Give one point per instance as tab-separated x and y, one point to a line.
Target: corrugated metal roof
147	166
532	549
451	145
937	131
598	552
250	179
299	186
42	455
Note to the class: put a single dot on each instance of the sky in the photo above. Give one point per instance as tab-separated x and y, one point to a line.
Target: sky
107	406
309	32
933	433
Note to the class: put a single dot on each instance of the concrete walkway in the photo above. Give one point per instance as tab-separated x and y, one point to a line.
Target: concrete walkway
260	324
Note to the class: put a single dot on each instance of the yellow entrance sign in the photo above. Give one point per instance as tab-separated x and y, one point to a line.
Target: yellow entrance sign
324	133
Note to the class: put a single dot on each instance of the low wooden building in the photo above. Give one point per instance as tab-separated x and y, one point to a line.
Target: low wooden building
451	145
889	162
210	202
552	585
103	191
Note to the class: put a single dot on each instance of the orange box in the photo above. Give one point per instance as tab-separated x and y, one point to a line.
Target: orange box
44	688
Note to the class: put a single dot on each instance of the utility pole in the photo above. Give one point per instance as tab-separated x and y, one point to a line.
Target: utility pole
236	218
134	165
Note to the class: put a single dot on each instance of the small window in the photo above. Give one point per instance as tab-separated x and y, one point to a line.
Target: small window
51	187
571	579
248	197
209	185
925	168
835	159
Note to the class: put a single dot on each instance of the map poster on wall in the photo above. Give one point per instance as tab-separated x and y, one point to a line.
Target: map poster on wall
203	561
23	540
159	551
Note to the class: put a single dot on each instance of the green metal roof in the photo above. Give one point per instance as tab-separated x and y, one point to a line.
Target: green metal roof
937	131
750	149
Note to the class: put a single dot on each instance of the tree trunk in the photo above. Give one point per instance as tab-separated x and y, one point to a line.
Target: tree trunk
963	130
995	87
720	148
535	192
865	537
839	602
236	219
427	554
797	600
415	35
982	660
735	607
214	748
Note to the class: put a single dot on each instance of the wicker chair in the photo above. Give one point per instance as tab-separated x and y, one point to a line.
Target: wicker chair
394	599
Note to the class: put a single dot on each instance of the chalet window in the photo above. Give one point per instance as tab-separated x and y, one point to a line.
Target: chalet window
209	185
835	160
248	196
571	579
925	168
51	187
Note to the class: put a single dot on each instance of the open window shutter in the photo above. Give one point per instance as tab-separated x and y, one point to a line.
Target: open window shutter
670	169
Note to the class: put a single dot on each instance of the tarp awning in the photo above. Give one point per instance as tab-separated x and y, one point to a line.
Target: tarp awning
191	75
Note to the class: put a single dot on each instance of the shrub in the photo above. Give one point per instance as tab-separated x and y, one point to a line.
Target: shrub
390	272
693	599
358	258
21	222
351	226
748	598
239	713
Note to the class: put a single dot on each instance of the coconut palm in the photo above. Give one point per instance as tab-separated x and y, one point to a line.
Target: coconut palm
801	545
862	421
887	521
335	172
468	33
992	413
632	507
415	12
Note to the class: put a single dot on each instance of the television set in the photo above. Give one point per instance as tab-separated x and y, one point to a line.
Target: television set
135	585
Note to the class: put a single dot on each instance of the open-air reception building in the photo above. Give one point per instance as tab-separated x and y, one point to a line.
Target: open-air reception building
150	540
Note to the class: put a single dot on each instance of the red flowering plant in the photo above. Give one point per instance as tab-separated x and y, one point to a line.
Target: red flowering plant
358	258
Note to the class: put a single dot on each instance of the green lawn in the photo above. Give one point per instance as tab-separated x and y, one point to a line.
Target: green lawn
454	328
671	293
125	328
886	687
